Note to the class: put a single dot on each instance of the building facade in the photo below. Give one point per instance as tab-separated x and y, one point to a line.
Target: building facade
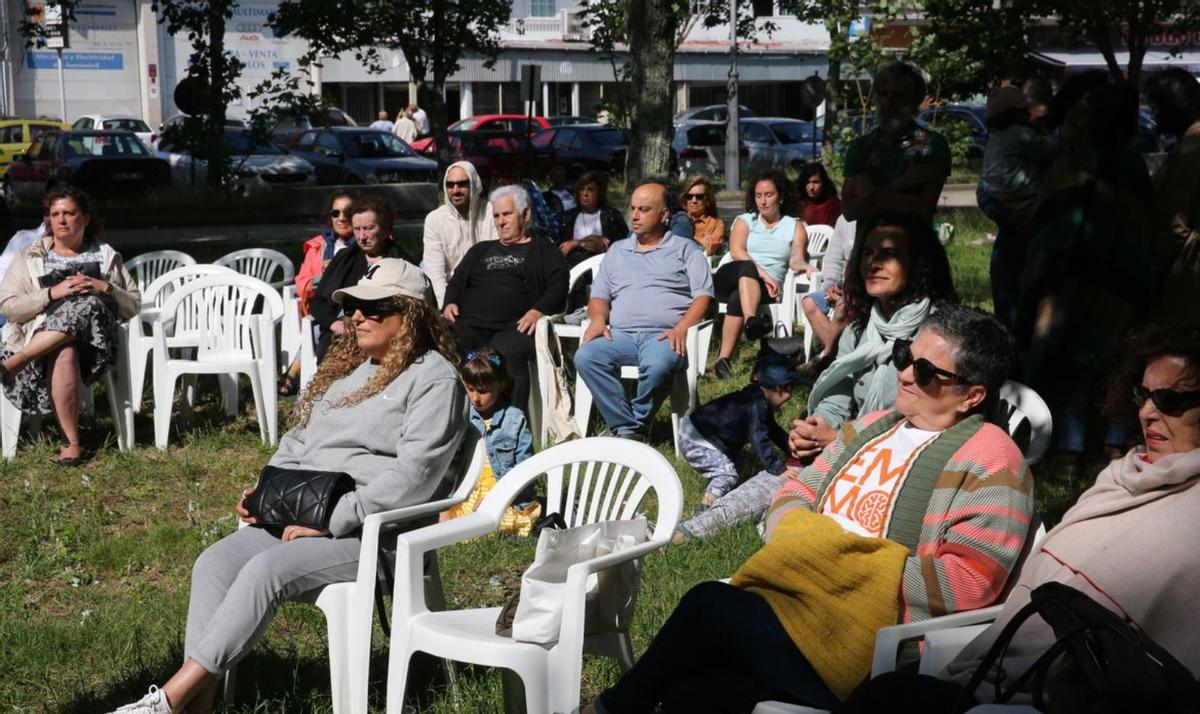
121	60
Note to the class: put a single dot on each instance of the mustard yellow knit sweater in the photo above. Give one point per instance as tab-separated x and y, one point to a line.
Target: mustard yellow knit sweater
832	591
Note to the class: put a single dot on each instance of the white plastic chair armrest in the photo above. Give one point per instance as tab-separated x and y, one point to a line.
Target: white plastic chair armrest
888	639
408	596
608	560
942	646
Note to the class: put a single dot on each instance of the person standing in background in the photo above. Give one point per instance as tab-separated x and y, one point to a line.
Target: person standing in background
405	128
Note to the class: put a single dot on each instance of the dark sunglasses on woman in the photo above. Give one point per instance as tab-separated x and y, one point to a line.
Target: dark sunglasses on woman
1171	402
335	213
924	370
371	309
694	196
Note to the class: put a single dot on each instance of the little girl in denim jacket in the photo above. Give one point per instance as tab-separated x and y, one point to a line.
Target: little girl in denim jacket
506	435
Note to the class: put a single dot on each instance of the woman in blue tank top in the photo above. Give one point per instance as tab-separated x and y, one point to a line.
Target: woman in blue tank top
763	245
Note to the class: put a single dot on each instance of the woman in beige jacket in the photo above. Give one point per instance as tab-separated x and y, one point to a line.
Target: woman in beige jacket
62	297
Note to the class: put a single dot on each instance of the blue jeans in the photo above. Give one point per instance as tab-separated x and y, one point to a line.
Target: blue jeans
599	362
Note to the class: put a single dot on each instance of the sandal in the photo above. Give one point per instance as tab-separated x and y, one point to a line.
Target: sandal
288	385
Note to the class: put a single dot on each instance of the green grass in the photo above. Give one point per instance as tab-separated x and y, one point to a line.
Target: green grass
95	562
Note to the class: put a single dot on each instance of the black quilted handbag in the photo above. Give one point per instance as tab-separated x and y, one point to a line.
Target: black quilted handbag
286	497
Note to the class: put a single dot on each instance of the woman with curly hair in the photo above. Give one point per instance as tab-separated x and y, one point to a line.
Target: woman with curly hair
393	368
764	243
898	273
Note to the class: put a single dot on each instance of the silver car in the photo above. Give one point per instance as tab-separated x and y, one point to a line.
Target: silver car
778	142
699	148
256	168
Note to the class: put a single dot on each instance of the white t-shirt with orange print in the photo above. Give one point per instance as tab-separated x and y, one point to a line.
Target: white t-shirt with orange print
862	495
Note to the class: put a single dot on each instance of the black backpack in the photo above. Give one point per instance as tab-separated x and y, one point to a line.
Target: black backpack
1100	664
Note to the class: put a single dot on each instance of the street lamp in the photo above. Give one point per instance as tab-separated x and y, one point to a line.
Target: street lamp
732	177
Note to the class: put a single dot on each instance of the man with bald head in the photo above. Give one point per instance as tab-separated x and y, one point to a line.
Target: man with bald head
647	293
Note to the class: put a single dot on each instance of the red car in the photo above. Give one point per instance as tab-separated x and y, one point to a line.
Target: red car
508	123
497	155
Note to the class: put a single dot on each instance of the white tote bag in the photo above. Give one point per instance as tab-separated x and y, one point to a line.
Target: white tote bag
611	593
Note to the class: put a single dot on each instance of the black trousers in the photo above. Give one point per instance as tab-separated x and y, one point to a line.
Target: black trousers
722	650
907	693
725	285
514	346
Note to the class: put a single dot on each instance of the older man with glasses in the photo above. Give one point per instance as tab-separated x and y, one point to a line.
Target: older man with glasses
452	228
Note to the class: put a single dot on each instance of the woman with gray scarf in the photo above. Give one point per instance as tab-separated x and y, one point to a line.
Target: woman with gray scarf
1128	543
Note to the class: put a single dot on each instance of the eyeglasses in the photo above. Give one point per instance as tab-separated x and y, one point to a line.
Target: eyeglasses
494	358
923	369
1170	402
335	213
458	184
371	309
695	196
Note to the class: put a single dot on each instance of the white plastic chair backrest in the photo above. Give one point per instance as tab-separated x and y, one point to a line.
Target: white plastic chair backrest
147	267
1028	408
818	239
224	308
157	292
261	263
596	479
591	265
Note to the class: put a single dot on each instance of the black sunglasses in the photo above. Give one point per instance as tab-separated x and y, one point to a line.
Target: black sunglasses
695	196
371	309
1167	401
923	369
458	184
335	213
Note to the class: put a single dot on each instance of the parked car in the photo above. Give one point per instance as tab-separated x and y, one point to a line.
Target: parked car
497	155
778	143
713	112
570	120
505	123
288	128
116	122
17	134
230	123
108	164
699	148
974	116
585	147
256	167
353	155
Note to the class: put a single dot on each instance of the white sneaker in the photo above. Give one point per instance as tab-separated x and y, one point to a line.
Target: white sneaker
155	702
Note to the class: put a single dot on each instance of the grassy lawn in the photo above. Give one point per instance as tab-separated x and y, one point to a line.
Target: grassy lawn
94	568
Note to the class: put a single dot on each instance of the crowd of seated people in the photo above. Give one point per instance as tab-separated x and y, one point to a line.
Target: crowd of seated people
892	485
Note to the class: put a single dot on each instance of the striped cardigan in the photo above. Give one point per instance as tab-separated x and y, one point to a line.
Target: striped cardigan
963	511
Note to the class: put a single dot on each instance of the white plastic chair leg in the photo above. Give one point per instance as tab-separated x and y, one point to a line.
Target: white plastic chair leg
260	406
10	426
229	393
337	623
583	405
164	394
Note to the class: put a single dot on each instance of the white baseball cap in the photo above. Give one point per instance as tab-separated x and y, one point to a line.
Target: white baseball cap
390	277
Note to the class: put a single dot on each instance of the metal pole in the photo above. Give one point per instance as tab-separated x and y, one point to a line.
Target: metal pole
733	179
62	88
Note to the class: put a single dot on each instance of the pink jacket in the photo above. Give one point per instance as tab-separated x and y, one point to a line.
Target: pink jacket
311	267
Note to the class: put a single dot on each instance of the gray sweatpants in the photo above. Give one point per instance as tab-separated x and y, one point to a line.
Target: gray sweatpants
239	582
710	461
747	502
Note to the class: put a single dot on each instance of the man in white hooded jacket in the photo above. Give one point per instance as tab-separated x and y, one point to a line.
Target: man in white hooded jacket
452	228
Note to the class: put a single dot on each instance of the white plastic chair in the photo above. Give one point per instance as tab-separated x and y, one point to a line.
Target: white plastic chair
349	606
308	351
261	263
140	345
783	311
587	481
1028	407
116	384
818	240
685	395
232	338
289	328
147	267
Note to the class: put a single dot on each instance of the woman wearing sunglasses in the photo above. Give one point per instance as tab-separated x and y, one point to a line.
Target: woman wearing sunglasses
700	202
371	220
318	252
896	274
763	244
911	512
392	372
1129	542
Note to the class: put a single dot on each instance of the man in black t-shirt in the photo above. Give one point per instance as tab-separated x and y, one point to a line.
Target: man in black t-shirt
501	289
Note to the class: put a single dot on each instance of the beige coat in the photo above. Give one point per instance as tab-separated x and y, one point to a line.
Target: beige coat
23	301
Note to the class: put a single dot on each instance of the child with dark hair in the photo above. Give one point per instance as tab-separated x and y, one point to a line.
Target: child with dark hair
712	437
507	438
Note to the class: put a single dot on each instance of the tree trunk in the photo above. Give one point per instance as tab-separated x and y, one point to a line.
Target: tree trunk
651	83
833	102
218	163
1104	43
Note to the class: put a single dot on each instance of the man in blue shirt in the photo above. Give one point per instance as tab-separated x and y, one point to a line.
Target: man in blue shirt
647	293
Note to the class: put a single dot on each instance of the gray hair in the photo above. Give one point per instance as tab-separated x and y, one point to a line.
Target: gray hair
519	196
